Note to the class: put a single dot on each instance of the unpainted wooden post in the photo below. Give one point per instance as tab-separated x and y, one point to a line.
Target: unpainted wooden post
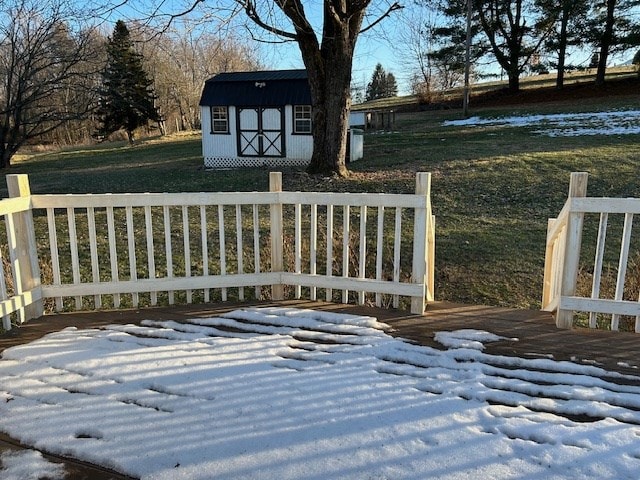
547	283
577	188
277	237
420	252
431	258
24	256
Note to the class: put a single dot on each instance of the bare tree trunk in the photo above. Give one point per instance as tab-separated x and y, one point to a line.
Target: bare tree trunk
329	70
513	67
331	100
605	42
562	50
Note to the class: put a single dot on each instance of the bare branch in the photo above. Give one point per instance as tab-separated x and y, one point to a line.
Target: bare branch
395	6
175	16
252	13
272	42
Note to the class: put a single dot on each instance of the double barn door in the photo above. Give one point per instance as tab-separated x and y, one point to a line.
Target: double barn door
260	131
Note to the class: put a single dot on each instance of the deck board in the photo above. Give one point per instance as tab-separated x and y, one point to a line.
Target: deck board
535	331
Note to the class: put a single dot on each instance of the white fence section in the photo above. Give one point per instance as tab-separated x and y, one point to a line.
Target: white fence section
565	255
113	250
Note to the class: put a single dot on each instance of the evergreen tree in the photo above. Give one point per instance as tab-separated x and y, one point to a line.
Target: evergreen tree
391	86
566	21
382	84
612	28
127	99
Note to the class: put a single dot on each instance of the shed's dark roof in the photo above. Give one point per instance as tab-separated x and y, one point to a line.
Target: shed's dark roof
267	88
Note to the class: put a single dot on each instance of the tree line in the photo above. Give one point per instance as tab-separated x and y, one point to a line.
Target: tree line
521	36
52	63
56	67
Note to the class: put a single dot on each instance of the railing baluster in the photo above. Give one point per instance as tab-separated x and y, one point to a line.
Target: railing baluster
53	248
363	250
93	250
168	249
6	318
15	263
277	235
151	255
223	248
558	261
622	265
239	248
637	326
379	250
345	248
431	257
397	239
113	255
597	268
186	245
256	246
131	245
313	245
73	248
329	270
297	240
205	249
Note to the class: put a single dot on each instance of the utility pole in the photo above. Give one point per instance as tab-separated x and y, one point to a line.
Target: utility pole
467	64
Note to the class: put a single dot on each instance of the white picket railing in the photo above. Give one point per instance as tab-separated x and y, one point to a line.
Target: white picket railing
110	250
564	255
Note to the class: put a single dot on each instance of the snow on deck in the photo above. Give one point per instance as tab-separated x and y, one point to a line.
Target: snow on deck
283	393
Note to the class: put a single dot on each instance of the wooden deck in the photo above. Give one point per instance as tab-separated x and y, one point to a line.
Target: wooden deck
535	331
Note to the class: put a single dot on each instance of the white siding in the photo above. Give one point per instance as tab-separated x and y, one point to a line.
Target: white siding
216	149
299	147
248	118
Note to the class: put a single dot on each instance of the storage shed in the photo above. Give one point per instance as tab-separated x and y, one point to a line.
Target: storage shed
254	119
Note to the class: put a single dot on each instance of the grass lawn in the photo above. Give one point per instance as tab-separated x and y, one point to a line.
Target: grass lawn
493	187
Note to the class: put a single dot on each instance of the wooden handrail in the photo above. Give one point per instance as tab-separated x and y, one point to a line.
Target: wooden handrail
145	243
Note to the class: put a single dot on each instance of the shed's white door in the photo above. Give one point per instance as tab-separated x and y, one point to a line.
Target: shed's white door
260	132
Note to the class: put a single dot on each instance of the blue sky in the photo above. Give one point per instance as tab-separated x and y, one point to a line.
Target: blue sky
369	52
372	47
382	44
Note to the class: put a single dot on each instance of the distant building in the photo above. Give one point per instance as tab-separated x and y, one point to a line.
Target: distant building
254	119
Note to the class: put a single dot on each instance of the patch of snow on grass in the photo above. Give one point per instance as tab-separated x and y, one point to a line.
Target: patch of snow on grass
625	122
297	394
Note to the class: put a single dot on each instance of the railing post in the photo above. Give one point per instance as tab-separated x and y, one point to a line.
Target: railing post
431	256
547	283
23	249
577	188
277	238
420	247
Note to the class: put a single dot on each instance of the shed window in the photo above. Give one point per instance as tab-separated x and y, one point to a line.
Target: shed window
302	119
219	120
